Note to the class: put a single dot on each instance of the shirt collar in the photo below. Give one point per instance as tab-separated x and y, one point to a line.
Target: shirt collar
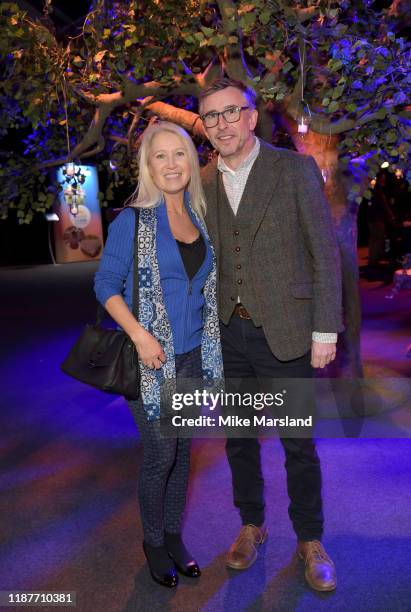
245	164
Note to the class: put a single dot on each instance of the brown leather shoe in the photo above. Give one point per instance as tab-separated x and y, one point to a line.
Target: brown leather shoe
243	552
319	569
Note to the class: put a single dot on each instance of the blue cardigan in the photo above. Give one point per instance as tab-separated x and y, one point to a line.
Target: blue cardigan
184	299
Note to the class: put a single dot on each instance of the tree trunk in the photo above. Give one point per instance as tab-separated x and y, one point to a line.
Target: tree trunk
324	150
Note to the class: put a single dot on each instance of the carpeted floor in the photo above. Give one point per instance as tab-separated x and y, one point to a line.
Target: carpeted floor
70	456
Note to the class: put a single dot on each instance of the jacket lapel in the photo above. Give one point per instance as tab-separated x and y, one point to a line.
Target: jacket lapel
259	190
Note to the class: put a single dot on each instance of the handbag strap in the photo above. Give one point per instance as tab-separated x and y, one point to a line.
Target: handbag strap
101	311
135	268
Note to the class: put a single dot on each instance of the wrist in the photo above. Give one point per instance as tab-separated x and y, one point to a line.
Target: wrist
137	334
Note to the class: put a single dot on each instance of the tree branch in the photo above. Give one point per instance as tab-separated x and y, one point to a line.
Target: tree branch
212	72
97	149
301	14
234	61
137	114
106	103
306	14
401	10
188	120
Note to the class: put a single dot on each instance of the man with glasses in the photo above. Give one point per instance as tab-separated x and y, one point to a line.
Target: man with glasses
279	303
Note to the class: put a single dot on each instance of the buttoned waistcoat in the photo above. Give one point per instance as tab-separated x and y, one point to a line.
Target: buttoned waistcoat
290	275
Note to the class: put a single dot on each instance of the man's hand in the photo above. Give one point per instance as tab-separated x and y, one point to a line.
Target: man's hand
322	353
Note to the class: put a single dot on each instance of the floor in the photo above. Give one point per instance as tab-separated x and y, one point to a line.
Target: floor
70	455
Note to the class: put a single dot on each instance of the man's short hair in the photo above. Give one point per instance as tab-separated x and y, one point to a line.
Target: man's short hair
221	84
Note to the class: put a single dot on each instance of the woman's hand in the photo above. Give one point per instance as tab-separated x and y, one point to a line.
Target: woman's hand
149	350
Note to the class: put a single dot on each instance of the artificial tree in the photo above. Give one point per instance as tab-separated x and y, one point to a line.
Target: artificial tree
341	65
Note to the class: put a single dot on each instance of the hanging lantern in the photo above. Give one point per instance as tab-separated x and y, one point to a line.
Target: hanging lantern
324	173
304	118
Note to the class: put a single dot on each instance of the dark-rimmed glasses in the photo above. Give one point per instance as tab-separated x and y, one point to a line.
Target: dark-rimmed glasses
231	115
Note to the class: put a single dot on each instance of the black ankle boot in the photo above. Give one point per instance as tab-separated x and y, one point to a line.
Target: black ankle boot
183	561
162	570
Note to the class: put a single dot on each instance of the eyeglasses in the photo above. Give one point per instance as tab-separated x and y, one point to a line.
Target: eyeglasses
231	115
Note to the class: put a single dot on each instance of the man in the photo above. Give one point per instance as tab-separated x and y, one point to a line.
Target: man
279	303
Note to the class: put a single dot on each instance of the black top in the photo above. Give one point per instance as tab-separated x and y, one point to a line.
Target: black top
192	254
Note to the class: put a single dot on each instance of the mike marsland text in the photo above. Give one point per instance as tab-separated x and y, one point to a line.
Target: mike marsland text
258	420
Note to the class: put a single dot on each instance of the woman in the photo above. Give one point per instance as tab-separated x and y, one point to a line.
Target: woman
177	331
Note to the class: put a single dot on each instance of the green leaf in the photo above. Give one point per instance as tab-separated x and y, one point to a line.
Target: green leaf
265	17
337	92
207	31
391	136
247	21
335	65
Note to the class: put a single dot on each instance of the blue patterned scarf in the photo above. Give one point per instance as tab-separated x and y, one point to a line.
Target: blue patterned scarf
153	316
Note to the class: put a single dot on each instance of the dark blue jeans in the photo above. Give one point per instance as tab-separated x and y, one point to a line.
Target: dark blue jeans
246	354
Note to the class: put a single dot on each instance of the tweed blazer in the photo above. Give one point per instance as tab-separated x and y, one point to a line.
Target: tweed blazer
295	262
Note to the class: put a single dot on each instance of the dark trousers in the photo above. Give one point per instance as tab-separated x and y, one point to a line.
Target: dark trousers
246	354
163	477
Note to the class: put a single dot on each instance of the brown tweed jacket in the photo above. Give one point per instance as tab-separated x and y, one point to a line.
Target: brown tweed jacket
294	258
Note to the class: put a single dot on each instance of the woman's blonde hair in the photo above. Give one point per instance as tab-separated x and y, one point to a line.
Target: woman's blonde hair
147	194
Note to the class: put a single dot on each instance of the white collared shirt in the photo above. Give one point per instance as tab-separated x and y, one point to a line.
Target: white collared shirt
235	180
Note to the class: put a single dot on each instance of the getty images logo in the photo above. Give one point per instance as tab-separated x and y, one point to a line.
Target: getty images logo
258	401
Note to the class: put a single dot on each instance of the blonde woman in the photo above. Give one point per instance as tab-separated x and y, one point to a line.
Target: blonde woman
177	332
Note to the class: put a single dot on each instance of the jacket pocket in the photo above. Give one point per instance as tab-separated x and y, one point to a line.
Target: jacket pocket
302	290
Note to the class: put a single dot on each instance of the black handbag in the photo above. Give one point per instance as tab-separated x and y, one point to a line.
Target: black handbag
107	358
